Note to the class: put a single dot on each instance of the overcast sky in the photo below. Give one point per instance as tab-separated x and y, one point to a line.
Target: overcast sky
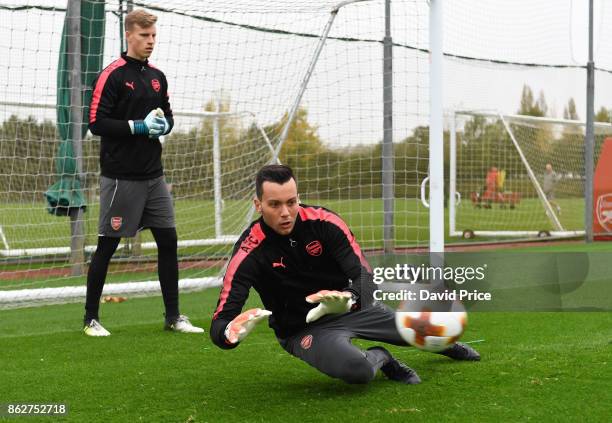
261	72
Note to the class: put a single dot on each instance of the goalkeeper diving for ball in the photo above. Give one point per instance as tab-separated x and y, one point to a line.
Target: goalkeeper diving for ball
315	284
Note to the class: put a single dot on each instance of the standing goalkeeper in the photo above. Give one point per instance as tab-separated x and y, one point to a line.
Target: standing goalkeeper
314	281
130	111
551	178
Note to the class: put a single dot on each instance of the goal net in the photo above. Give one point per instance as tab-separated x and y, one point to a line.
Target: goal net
250	83
304	83
517	176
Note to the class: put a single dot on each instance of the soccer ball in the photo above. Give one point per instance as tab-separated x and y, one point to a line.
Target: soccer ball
431	330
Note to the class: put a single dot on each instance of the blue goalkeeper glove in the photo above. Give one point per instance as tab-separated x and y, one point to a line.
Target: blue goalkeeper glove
151	125
330	302
244	323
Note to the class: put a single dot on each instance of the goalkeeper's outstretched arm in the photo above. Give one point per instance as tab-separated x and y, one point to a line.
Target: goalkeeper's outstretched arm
239	277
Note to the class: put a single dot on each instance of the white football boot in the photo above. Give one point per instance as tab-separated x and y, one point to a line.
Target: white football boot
94	328
182	324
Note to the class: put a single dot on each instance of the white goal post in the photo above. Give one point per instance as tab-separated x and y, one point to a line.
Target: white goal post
516	175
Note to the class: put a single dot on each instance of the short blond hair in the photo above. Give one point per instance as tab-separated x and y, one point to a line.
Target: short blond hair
140	17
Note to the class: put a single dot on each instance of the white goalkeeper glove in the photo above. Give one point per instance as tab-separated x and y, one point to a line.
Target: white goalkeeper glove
161	120
330	302
154	125
148	126
244	323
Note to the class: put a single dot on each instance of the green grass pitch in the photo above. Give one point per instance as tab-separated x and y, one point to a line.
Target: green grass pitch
536	366
30	226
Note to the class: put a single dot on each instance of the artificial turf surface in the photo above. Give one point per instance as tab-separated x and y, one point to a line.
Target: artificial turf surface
535	366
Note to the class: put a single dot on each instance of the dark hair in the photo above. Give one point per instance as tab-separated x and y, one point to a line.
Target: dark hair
272	173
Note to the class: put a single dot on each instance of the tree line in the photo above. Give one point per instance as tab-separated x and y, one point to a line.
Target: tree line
28	148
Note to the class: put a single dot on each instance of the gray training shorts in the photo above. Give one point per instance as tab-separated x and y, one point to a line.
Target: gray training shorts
326	344
129	206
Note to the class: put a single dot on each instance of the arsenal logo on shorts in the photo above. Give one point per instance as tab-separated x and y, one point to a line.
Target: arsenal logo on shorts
116	222
306	342
155	84
314	248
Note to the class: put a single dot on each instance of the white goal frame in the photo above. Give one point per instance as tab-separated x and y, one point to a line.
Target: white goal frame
455	196
28	297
